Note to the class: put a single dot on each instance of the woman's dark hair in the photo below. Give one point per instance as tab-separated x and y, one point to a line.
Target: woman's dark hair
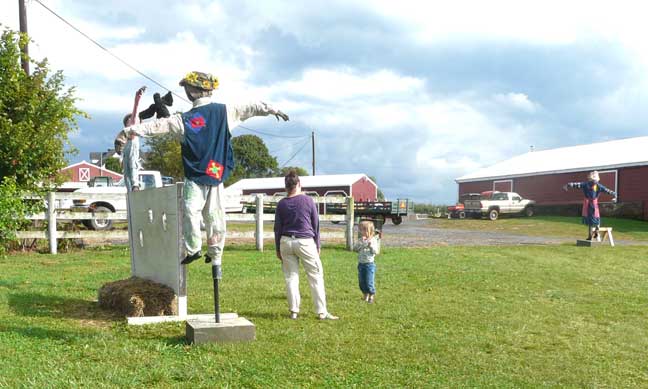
291	180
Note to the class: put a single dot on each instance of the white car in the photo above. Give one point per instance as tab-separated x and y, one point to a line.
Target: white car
116	201
492	204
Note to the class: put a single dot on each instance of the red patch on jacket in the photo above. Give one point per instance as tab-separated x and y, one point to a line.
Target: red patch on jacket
215	169
197	122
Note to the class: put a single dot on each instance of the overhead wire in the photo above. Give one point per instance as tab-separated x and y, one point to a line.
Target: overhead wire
273	135
297	152
109	52
158	83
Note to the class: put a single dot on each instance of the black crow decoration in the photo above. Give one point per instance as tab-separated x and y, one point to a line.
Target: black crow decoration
159	107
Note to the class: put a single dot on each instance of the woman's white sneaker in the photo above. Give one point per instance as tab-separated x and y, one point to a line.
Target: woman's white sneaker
327	316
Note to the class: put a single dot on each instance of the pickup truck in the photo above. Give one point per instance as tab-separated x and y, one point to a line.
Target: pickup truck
149	179
492	204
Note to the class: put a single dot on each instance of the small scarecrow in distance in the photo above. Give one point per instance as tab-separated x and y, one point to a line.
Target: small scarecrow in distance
591	214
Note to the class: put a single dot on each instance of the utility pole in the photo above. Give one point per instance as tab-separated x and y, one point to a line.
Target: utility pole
22	15
313	142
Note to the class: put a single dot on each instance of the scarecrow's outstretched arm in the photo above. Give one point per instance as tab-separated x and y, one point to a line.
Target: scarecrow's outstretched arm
151	128
236	114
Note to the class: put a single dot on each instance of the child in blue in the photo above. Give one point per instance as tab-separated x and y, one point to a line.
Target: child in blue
367	248
591	214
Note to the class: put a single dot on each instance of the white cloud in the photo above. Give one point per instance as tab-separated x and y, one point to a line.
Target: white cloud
517	101
546	22
340	85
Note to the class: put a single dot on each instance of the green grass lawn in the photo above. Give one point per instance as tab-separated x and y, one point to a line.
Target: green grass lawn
559	226
445	317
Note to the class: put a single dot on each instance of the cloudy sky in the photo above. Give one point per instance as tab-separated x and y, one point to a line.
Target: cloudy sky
414	93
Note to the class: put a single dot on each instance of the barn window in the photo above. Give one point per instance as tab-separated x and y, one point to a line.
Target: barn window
503	185
84	174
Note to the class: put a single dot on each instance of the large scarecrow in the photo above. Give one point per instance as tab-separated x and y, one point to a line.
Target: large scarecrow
591	214
207	158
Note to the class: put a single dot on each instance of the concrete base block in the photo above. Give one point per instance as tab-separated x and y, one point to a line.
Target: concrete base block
587	243
206	330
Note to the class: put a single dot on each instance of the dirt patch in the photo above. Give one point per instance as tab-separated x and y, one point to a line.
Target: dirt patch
136	297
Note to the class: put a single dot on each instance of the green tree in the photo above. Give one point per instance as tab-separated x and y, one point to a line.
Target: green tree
113	164
12	211
164	155
36	115
252	159
299	170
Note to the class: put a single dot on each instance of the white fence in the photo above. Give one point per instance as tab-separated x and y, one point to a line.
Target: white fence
53	215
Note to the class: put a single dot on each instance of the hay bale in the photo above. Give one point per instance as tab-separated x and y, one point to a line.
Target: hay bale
135	297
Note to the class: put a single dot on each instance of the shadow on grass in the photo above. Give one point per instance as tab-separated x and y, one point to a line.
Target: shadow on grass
177	341
45	333
8	284
38	305
619	224
263	315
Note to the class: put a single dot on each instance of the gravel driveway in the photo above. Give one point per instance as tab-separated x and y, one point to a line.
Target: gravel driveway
418	233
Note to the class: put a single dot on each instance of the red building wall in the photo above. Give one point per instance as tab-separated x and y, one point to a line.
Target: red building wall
547	189
83	172
364	190
633	182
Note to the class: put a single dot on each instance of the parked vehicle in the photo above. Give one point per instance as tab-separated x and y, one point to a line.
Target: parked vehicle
116	201
148	178
379	211
492	204
458	210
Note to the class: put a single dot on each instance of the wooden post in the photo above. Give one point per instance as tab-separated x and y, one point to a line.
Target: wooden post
313	144
51	222
22	20
349	220
259	222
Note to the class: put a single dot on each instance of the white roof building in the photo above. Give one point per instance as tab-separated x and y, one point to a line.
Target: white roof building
596	156
360	186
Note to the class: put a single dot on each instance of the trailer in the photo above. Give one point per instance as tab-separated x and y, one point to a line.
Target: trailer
378	211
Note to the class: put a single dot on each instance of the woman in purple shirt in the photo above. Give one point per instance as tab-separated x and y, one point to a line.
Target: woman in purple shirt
297	238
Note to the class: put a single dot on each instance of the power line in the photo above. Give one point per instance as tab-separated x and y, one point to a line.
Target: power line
146	76
297	152
285	147
273	135
109	52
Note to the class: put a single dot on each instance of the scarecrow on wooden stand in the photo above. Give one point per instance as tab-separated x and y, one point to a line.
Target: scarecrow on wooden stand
207	158
592	188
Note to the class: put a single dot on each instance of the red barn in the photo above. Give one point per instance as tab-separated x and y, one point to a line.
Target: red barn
83	171
540	175
359	186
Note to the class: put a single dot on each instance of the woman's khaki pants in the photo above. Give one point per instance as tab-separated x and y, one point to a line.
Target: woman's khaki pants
292	251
